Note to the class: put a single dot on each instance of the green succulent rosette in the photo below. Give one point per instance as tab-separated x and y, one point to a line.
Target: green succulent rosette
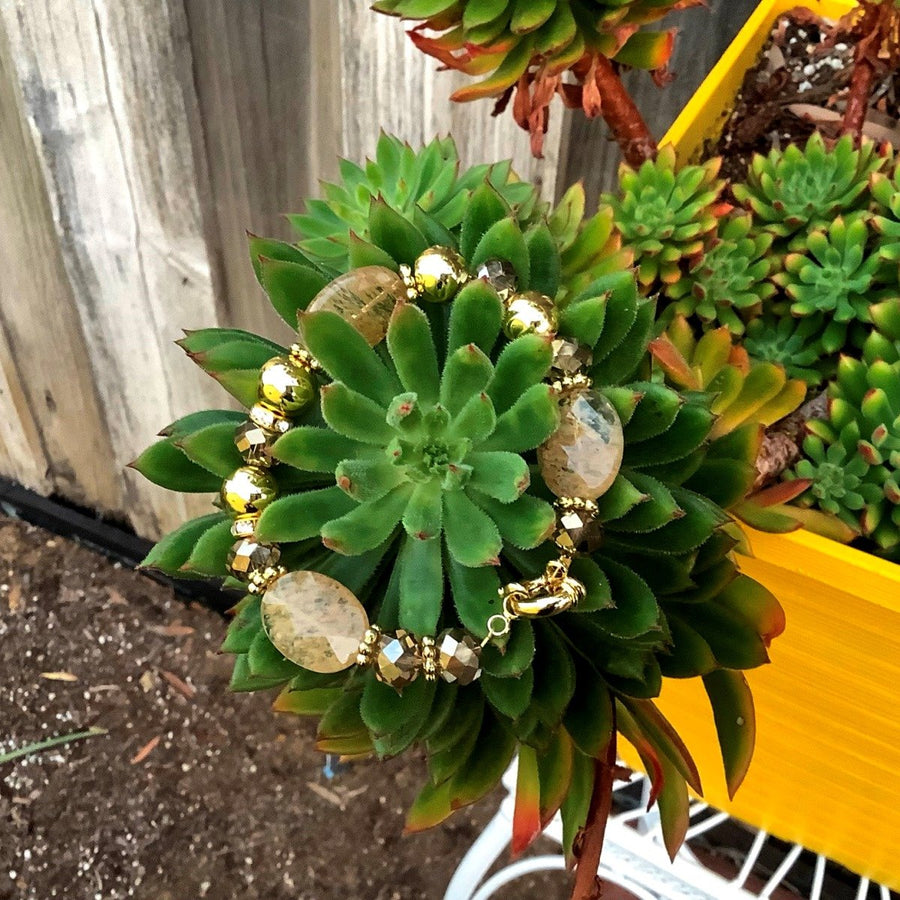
799	190
667	215
730	283
852	459
413	480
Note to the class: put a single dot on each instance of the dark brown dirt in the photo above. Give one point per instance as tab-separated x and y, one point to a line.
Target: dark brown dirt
798	86
228	800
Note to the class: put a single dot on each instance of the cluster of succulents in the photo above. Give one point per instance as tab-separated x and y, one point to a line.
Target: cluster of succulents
802	272
413	480
526	48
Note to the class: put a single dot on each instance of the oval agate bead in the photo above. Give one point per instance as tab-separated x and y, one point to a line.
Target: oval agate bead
584	455
314	621
365	298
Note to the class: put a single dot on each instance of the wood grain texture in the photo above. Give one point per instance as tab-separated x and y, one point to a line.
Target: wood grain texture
53	433
258	142
109	126
704	34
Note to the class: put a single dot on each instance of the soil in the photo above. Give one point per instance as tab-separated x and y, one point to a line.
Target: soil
193	792
798	86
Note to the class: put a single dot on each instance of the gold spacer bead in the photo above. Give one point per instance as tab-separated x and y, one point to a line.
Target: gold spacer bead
571	384
244	526
366	653
303	358
260	582
269	419
429	653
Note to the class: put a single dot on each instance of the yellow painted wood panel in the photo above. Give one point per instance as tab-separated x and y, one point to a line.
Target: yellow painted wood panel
826	772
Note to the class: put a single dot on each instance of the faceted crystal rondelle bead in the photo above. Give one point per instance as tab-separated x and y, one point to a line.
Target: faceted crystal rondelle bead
570	357
500	275
578	532
459	657
254	443
248	555
584	455
365	298
314	621
399	659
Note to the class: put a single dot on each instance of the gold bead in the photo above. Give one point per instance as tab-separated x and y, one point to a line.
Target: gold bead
438	274
285	386
249	491
365	654
268	419
530	312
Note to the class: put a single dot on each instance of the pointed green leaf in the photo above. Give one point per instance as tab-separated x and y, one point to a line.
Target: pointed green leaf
367	526
421	586
297	517
412	350
344	353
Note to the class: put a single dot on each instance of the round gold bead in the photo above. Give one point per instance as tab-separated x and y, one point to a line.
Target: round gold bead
248	491
438	274
285	386
530	312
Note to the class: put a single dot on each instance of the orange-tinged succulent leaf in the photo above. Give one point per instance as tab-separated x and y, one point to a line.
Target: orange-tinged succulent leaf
673	363
781	493
649	757
647	49
430	808
555	768
784	403
305	703
505	76
657	728
756	604
527	814
732	705
825	524
773	520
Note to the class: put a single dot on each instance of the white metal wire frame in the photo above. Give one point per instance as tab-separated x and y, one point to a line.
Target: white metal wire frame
635	859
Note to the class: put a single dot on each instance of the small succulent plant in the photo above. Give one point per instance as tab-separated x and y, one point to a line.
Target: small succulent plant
412	480
666	215
425	186
527	47
886	194
793	189
835	277
853	458
729	284
795	344
589	248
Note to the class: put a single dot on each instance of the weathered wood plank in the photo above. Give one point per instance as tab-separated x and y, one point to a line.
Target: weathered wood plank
705	33
53	433
260	138
389	84
108	117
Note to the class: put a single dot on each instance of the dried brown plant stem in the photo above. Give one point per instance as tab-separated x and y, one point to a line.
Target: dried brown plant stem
622	115
587	884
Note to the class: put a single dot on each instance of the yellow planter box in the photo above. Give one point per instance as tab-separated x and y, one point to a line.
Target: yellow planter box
827	767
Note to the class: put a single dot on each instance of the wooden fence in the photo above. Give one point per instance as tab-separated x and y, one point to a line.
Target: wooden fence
138	142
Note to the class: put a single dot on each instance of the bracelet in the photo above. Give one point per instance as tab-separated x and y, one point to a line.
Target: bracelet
317	622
